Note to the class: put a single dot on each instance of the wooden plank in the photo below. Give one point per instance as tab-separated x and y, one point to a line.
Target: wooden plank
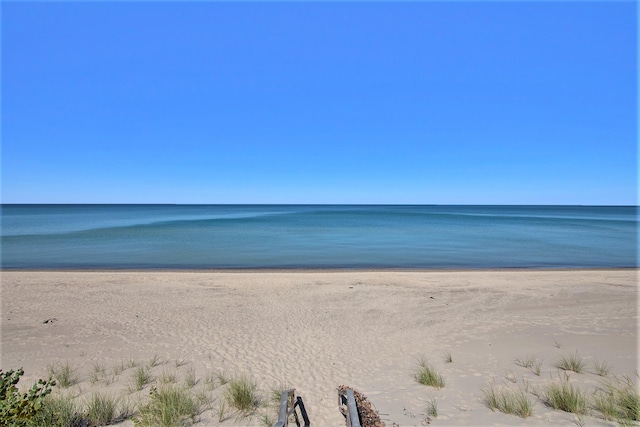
352	420
283	413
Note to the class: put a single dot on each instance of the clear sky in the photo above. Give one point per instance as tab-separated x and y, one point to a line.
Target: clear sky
319	102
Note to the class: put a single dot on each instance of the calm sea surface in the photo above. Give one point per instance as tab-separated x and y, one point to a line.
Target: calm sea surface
317	236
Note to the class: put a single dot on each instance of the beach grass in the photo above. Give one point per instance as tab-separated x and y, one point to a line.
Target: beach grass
432	407
222	377
168	406
190	379
167	377
566	397
571	363
428	375
530	362
221	411
601	368
241	394
58	410
98	372
102	409
508	401
154	361
64	374
141	377
618	400
119	367
180	362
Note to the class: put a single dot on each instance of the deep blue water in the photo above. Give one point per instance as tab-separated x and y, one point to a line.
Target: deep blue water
317	236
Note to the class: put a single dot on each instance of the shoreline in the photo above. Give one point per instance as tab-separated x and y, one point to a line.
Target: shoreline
313	270
315	330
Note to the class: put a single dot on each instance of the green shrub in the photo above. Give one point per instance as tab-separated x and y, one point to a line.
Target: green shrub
17	409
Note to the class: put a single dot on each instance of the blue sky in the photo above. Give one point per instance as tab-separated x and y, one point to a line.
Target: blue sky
280	102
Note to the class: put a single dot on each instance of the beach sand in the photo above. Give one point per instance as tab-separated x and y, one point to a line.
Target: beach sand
315	330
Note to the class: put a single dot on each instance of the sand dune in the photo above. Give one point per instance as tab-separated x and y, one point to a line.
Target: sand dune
316	330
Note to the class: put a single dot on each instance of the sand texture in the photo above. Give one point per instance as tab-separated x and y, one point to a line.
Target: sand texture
317	330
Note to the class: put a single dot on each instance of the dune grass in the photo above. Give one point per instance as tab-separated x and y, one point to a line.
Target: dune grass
190	378
428	375
141	377
618	400
241	393
64	374
566	397
432	408
58	410
222	377
98	372
102	409
167	377
154	361
530	362
601	368
571	363
508	401
168	406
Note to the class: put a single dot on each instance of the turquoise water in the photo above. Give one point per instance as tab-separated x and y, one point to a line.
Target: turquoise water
316	236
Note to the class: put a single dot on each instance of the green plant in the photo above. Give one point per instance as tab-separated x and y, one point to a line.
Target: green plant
266	420
167	377
508	401
432	408
276	392
64	374
154	361
180	362
102	409
428	375
97	373
530	362
168	406
141	377
618	400
222	377
16	408
119	367
566	397
222	408
59	411
190	378
601	368
242	394
447	357
571	363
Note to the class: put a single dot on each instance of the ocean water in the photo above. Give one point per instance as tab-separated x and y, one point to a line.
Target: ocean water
316	236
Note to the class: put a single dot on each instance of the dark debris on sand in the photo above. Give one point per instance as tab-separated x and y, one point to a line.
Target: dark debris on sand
368	415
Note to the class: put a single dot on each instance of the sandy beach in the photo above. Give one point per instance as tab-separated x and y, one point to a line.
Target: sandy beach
315	330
